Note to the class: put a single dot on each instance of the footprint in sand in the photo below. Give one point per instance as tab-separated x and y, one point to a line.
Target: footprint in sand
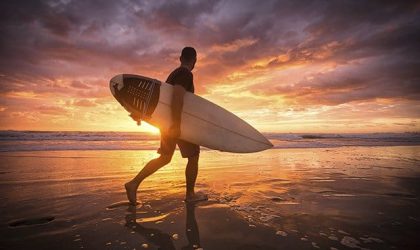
31	221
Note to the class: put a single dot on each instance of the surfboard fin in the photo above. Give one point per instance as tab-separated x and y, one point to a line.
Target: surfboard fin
136	118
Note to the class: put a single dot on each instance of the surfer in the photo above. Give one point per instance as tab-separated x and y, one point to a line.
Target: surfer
182	80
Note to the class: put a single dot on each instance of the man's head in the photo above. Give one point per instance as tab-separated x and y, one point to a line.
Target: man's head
188	57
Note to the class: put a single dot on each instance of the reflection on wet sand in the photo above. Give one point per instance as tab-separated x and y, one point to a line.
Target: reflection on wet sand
153	235
191	228
159	238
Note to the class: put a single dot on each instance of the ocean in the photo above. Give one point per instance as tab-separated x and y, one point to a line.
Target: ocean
65	190
12	141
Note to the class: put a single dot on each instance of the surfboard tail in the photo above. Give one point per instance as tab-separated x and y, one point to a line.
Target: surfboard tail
139	96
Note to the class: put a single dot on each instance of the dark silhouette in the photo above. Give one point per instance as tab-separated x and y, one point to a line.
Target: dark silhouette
182	80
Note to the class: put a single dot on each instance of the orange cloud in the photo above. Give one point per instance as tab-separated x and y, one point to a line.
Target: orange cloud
282	66
84	103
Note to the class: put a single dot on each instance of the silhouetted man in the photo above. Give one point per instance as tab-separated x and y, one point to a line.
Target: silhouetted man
182	80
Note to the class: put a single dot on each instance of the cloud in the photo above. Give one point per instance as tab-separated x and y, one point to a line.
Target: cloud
84	103
348	83
304	53
79	85
233	46
51	110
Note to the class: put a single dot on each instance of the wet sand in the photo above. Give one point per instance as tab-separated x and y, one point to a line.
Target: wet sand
336	198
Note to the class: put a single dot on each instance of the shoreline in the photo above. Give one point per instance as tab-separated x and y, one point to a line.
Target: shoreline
343	198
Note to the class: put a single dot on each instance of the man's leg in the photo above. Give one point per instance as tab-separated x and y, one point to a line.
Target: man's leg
192	152
151	167
191	175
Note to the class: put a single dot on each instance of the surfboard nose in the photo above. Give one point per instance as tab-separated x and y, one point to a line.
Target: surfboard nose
116	82
269	144
264	142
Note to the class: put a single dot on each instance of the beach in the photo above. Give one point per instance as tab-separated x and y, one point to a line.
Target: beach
348	197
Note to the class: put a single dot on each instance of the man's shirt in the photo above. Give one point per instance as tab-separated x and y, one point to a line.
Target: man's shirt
182	76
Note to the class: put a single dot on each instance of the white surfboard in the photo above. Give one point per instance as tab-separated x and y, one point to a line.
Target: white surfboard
202	122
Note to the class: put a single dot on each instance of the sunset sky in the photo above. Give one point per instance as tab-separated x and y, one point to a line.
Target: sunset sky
283	66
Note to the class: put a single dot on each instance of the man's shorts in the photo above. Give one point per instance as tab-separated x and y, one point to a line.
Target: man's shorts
168	144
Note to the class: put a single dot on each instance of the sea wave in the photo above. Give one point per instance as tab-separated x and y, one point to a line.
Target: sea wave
74	140
73	136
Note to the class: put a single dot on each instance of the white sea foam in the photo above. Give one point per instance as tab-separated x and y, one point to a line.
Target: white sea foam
56	140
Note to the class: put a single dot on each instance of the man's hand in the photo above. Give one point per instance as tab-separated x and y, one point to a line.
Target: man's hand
174	131
136	117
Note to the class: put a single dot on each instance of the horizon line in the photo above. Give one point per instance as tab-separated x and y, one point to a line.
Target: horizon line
143	132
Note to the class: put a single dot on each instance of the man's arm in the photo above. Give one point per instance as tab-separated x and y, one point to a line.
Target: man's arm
176	108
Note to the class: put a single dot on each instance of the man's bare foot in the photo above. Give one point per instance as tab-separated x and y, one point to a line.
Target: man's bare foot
199	196
131	191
